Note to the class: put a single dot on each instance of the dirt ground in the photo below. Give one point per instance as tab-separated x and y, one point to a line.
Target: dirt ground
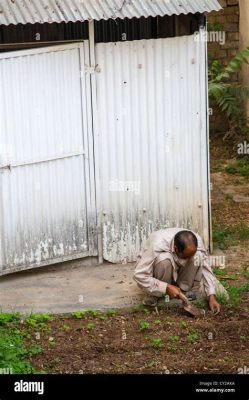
143	341
116	345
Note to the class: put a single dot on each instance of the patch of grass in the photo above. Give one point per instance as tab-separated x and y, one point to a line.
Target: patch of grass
243	232
6	318
200	303
221	299
236	294
174	338
246	274
157	343
144	326
14	354
78	314
219	272
38	321
241	167
192	336
218	167
222	237
93	313
111	313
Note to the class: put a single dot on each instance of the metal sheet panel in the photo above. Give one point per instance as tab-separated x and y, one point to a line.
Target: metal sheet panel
152	140
27	11
45	211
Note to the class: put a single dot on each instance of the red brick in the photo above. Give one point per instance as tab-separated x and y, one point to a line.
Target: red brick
233	36
231	27
232	2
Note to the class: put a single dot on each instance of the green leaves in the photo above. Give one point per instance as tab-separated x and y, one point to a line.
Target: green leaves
229	96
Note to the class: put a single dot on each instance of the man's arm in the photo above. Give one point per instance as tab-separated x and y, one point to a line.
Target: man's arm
209	282
143	274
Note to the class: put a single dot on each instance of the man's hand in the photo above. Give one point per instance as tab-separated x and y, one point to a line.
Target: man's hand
214	305
173	291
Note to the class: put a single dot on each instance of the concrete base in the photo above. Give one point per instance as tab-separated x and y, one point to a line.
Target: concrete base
70	286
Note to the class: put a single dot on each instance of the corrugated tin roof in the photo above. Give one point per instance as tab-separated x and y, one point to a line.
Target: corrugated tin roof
32	11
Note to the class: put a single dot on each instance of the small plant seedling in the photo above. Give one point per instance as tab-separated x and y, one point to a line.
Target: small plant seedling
242	338
136	308
157	343
111	313
183	324
90	326
172	349
93	313
157	322
66	328
78	314
174	338
56	360
143	326
193	336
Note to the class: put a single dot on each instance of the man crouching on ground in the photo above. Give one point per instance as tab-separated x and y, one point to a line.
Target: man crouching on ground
175	260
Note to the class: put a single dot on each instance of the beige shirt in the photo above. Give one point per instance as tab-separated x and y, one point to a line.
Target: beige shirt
160	245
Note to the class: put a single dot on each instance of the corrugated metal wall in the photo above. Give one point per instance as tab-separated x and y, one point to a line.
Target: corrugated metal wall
46	202
152	144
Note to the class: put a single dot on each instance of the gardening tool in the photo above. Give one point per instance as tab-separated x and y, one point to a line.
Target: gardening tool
187	306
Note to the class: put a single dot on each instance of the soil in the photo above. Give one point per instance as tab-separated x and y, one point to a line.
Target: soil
116	344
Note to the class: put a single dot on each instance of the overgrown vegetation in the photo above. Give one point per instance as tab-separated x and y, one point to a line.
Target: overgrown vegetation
230	96
235	295
240	167
15	355
223	237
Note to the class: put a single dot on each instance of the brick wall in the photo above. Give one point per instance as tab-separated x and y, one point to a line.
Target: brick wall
227	20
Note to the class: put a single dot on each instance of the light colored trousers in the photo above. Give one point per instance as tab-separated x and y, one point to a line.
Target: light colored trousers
187	278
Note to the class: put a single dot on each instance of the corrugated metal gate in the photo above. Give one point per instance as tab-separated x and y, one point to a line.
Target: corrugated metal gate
153	157
150	148
47	200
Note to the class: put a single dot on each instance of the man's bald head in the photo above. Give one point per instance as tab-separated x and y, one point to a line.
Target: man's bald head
186	244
